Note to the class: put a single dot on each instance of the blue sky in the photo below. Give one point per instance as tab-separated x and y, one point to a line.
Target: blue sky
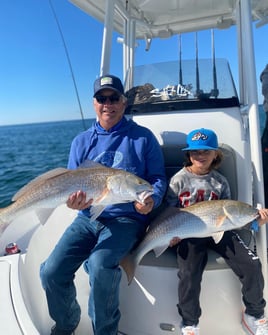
35	79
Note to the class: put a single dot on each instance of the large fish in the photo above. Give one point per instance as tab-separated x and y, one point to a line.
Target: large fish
206	218
106	186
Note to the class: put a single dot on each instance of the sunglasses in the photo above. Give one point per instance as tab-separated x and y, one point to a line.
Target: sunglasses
114	98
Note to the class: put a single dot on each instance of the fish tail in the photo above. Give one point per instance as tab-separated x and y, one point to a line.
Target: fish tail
129	266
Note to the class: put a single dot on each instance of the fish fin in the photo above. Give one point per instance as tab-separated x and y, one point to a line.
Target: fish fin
129	266
95	211
103	196
38	180
228	209
217	236
220	220
160	249
97	207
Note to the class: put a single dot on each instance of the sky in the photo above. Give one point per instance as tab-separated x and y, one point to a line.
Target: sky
35	79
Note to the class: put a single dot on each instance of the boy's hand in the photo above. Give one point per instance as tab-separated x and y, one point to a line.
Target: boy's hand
263	219
174	241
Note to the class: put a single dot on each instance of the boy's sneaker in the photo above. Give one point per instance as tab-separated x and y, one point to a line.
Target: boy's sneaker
190	330
254	326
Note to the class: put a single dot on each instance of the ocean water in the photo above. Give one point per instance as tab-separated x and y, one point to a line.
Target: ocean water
27	151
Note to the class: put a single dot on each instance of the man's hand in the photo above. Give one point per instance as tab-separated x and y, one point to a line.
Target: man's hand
78	201
146	207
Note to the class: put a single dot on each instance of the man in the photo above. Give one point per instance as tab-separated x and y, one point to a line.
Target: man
115	142
264	140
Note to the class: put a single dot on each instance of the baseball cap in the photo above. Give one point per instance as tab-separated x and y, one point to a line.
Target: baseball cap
110	82
201	139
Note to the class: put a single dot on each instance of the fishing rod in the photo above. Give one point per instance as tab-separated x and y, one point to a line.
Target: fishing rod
69	63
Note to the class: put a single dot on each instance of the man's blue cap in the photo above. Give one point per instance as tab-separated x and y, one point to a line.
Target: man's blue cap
201	139
110	82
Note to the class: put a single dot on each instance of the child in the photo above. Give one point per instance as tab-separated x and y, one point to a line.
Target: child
199	181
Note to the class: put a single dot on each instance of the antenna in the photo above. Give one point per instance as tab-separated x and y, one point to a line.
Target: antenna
180	70
69	62
215	90
198	91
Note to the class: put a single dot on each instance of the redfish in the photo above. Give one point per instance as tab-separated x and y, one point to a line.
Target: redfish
106	186
203	219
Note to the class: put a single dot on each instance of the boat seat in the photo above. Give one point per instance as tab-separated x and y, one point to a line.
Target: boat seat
46	236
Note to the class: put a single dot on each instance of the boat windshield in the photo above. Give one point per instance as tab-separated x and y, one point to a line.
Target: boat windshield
181	85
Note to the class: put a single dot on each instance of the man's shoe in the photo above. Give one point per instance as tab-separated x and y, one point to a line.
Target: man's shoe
254	326
56	331
190	330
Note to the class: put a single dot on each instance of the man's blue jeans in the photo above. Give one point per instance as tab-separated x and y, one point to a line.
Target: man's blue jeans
101	245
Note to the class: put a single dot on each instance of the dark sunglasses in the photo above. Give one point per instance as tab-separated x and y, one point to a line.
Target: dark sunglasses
114	98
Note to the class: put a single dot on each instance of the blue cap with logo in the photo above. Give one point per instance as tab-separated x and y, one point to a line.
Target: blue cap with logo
108	81
201	139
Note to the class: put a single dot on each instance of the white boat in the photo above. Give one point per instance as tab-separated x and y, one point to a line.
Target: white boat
171	99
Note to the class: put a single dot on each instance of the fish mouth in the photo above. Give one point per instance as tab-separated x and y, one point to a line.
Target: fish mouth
141	196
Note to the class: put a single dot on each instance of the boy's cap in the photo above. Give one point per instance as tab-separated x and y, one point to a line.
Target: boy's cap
110	82
201	139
